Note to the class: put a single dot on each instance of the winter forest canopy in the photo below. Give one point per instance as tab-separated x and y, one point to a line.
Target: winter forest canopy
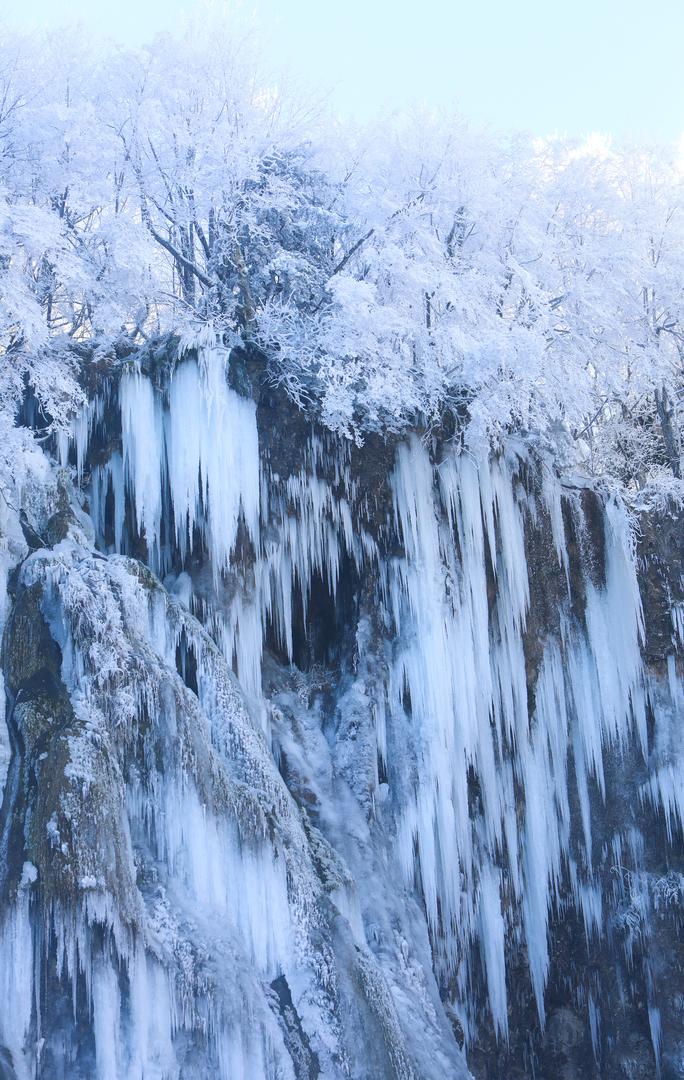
417	273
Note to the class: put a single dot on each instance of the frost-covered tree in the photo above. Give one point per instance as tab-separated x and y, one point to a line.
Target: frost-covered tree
389	277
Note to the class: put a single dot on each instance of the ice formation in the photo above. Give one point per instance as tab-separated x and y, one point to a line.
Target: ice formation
445	809
202	447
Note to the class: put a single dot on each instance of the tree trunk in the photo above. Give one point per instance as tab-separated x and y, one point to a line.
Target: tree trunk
669	430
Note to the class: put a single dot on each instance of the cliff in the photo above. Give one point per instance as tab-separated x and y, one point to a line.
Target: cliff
330	760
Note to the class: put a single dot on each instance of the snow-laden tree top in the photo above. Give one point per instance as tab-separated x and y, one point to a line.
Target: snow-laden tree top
390	276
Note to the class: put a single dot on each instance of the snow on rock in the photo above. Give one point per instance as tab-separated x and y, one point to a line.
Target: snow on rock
186	885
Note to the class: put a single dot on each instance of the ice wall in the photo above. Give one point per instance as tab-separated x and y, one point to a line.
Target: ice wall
201	446
461	660
174	873
454	758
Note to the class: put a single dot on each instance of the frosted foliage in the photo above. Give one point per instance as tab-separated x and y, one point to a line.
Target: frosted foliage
417	269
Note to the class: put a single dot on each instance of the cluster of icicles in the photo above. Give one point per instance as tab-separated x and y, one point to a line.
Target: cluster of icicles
197	952
456	661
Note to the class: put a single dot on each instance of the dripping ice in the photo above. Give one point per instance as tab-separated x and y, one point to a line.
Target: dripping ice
463	666
204	443
454	594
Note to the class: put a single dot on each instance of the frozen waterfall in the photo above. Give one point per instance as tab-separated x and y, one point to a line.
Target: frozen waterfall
330	752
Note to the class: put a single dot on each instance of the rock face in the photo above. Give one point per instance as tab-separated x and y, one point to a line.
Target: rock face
331	761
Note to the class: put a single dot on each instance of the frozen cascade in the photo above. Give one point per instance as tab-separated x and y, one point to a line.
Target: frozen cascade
198	826
190	461
143	457
205	444
213	456
462	664
197	447
373	828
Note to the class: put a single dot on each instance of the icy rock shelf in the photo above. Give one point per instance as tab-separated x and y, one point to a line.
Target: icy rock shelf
321	793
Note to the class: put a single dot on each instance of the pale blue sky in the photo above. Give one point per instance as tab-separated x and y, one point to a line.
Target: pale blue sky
575	67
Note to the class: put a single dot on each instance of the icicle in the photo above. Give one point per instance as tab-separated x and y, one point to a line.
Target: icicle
150	1034
664	788
106	478
79	433
213	457
460	664
677	617
206	444
241	888
16	984
614	633
106	1006
552	494
141	429
654	1024
595	1027
492	944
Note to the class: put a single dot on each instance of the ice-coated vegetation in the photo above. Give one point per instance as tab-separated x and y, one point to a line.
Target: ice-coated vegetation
341	587
392	275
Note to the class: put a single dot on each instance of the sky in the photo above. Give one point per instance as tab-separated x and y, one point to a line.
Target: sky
573	68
